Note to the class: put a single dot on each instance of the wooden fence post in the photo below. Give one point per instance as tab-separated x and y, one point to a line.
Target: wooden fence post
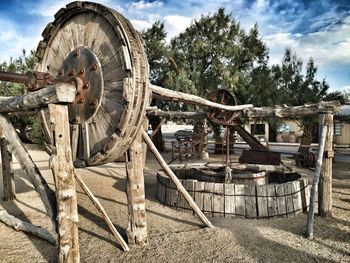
135	189
325	183
63	171
8	182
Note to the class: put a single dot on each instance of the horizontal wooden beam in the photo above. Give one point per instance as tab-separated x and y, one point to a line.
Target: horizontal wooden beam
193	99
255	112
154	111
292	111
56	93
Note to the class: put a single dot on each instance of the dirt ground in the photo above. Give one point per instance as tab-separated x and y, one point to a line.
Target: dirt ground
175	236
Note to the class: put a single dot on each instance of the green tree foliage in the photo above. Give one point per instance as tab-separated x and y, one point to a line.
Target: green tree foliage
157	53
29	127
295	88
214	52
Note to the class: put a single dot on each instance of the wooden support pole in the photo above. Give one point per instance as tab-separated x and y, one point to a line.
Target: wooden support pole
325	184
310	215
8	182
16	147
18	224
56	93
176	181
135	190
100	208
63	172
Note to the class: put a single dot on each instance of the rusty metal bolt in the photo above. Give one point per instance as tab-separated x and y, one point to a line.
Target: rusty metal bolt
94	67
77	119
61	72
94	102
82	71
77	53
71	73
86	86
81	100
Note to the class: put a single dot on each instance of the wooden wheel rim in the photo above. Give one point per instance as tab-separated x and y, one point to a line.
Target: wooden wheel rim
120	51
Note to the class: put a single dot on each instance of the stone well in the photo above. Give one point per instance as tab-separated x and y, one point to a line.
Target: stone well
249	194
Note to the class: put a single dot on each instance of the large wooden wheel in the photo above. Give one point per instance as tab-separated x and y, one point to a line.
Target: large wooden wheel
100	48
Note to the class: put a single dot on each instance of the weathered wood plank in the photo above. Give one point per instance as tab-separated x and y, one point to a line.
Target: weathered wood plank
240	200
288	190
86	139
297	196
281	200
189	185
208	198
250	201
63	171
272	200
261	192
230	203
199	195
75	138
219	198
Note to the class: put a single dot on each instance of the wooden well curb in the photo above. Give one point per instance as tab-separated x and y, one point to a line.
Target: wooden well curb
237	200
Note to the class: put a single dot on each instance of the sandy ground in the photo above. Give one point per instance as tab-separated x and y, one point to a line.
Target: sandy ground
175	236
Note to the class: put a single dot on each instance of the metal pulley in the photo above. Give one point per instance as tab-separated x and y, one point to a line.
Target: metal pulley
223	117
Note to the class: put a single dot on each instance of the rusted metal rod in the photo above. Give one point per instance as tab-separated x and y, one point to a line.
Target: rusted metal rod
33	80
14	77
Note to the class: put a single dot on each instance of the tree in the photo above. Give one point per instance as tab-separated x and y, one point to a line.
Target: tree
25	62
294	89
157	53
215	52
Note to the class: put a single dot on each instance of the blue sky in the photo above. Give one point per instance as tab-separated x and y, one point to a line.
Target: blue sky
318	29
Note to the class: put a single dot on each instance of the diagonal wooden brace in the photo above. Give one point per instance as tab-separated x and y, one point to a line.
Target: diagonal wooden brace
176	181
20	152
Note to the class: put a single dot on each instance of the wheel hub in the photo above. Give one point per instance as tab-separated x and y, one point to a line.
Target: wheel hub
83	66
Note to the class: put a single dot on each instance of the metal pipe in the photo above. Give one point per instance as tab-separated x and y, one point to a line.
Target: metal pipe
227	146
14	77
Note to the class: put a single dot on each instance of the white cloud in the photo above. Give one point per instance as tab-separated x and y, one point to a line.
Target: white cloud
176	24
140	24
142	5
49	8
